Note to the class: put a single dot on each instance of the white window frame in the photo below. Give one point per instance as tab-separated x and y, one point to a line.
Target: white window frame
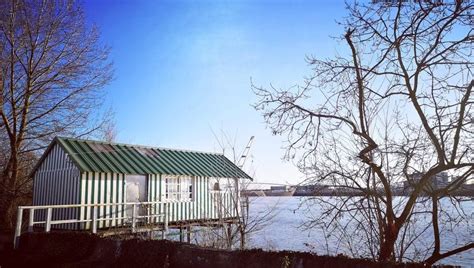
179	188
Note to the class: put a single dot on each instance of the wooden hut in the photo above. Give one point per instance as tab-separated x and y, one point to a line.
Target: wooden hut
75	171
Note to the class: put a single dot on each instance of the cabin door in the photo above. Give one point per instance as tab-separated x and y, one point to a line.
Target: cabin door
135	191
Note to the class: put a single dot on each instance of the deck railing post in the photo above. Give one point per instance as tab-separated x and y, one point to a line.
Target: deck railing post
134	218
49	214
19	219
188	234
31	220
94	219
165	223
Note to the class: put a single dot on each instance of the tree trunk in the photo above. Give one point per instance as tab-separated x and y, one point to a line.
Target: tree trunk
242	238
8	197
387	247
7	211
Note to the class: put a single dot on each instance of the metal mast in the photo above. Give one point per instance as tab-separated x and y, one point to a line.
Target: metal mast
243	202
243	157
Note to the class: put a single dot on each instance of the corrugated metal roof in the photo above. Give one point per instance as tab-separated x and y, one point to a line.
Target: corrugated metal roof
99	156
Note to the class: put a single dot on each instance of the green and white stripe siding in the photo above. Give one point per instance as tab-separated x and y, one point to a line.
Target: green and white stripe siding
108	188
154	194
102	188
205	204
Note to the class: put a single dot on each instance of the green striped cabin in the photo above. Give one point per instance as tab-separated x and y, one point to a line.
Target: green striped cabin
74	171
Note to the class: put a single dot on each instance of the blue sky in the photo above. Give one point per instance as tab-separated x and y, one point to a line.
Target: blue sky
183	68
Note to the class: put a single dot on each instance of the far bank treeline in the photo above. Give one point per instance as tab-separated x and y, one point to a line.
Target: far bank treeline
53	68
405	189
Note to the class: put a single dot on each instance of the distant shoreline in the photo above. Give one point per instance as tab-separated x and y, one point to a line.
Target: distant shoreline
258	193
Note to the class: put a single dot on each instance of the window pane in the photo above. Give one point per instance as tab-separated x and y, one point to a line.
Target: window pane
179	188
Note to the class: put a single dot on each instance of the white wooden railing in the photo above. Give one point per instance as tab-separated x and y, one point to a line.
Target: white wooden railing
161	216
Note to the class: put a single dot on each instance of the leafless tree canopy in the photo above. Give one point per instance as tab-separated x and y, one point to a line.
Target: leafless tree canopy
396	100
245	224
52	70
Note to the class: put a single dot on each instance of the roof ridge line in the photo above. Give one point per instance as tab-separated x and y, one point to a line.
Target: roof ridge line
138	145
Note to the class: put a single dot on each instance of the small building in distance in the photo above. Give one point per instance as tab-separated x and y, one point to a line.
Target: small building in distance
75	171
438	181
310	189
283	190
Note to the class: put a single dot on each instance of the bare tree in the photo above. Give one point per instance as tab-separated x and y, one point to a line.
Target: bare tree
396	101
108	130
52	70
244	224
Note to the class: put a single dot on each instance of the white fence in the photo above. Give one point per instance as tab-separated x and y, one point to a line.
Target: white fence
130	219
138	212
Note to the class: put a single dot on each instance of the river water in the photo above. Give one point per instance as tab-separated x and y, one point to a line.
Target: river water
284	231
